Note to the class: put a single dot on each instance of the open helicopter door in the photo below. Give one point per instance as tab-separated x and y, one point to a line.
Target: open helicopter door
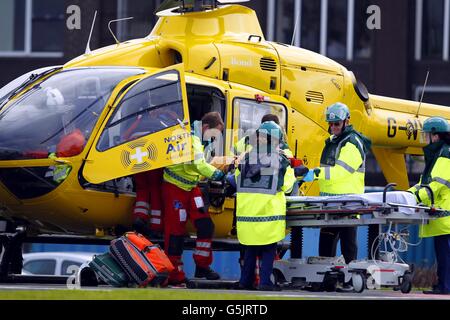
148	128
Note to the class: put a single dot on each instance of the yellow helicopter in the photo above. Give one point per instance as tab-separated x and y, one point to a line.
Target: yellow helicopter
201	56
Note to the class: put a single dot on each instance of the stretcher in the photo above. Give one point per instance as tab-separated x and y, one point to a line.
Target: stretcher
384	268
354	210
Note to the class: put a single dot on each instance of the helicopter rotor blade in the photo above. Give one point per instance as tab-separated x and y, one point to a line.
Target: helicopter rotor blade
232	1
169	4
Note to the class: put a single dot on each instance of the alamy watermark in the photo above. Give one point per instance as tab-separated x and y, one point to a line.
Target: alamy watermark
374	20
73	21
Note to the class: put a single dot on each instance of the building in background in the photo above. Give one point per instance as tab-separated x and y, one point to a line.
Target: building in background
392	61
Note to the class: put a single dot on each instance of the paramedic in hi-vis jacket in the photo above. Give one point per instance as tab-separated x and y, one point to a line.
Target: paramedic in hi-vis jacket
262	178
341	172
183	201
437	176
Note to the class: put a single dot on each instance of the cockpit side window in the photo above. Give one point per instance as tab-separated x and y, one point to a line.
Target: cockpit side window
152	105
248	114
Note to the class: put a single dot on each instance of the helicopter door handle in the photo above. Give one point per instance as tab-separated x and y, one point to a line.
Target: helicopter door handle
182	123
255	36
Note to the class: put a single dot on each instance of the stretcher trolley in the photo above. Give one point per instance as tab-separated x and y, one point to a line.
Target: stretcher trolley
383	268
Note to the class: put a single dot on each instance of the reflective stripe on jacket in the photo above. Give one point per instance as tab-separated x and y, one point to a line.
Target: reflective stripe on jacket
342	166
261	217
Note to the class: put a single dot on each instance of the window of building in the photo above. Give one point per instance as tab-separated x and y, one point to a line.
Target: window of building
432	29
143	12
48	24
334	28
32	27
12	24
310	25
285	21
337	29
433	94
362	35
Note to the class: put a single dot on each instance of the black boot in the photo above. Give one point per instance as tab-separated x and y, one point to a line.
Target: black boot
207	273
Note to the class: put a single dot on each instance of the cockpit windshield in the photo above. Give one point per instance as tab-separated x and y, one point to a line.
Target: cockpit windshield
57	115
21	82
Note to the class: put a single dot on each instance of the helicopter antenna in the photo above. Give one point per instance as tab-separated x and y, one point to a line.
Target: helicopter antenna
88	48
117	20
297	20
423	92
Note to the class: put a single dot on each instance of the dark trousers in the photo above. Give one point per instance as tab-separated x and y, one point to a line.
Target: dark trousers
329	238
267	255
442	249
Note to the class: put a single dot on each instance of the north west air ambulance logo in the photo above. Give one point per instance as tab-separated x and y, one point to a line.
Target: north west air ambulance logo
138	156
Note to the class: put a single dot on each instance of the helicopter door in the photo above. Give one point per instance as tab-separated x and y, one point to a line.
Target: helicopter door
148	129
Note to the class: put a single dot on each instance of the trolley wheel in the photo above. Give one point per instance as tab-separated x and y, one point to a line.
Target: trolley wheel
406	285
329	283
358	281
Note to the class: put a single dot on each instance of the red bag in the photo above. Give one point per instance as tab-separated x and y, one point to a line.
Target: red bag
143	261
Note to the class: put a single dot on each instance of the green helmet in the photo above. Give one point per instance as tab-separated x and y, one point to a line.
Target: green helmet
271	128
337	112
436	125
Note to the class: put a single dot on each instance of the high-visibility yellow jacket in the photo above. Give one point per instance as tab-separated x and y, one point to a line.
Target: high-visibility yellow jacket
342	165
437	175
60	171
186	175
261	206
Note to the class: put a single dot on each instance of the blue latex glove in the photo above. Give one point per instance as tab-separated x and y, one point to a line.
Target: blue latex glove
231	179
309	176
218	175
